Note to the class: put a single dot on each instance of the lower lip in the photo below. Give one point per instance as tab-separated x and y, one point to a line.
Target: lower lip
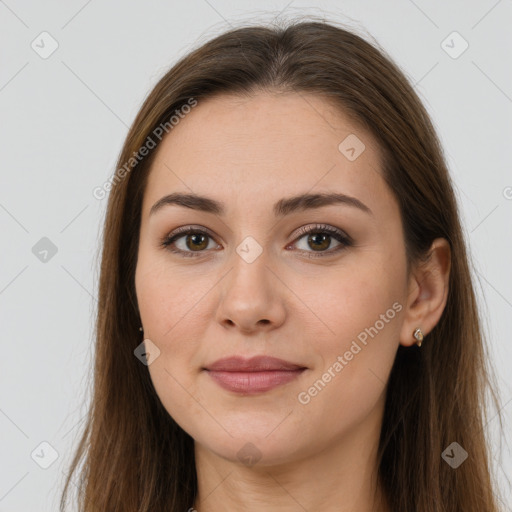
250	383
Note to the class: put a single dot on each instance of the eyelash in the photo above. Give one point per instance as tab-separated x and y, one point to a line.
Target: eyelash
341	237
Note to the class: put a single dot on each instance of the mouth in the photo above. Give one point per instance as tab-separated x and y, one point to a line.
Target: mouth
252	376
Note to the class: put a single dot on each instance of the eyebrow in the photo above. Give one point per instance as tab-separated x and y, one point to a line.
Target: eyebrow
281	208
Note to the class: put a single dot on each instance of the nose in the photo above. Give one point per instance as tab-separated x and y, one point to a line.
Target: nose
251	298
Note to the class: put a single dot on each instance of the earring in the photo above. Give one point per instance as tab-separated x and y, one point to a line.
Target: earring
141	329
418	334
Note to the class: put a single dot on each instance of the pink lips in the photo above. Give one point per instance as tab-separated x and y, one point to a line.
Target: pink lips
255	375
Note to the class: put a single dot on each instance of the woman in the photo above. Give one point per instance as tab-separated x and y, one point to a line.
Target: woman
286	315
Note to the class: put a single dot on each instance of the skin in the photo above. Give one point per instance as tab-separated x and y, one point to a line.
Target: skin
249	153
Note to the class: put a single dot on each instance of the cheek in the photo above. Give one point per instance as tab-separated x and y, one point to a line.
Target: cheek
169	300
361	303
171	309
363	311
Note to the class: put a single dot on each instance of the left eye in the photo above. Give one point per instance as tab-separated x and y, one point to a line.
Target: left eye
318	241
318	238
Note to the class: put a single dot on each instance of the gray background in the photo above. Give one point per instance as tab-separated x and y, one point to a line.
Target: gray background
65	117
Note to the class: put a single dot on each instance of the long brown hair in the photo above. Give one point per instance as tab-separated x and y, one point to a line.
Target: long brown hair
132	456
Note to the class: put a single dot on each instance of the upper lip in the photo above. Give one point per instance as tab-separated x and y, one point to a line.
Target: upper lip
253	364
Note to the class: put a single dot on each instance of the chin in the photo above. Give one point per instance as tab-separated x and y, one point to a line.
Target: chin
254	453
254	441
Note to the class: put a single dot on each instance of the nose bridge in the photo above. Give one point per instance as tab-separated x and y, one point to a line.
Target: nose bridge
249	264
249	297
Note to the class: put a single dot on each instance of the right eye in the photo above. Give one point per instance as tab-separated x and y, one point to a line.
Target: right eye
193	238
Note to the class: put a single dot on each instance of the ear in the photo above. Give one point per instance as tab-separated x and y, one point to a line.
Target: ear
427	292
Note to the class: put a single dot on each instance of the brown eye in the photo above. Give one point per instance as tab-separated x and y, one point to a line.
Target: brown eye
319	241
320	238
188	241
197	241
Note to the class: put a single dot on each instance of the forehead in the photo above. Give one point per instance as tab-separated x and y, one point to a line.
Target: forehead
257	150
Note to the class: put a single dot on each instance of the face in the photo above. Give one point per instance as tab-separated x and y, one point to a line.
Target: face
317	284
